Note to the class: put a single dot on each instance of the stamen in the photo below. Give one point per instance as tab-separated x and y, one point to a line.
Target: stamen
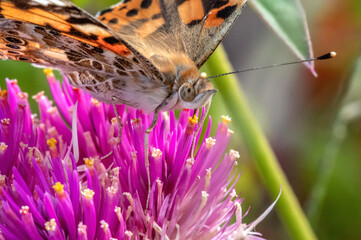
50	225
193	120
88	193
23	145
14	82
3	147
208	178
129	212
95	101
2	180
129	197
114	121
104	225
117	210
234	154
38	96
24	210
156	153
233	194
210	142
51	110
51	142
52	145
226	120
58	188
48	72
159	186
129	234
3	94
5	121
89	162
23	95
136	121
190	162
134	155
112	190
204	199
82	229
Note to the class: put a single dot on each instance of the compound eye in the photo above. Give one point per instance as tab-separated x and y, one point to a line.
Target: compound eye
187	92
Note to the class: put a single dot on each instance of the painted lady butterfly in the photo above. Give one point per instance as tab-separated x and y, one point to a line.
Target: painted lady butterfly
142	53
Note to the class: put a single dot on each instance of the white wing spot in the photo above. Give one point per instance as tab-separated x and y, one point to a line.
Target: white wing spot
47	2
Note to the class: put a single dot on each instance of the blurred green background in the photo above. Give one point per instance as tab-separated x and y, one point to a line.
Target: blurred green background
296	111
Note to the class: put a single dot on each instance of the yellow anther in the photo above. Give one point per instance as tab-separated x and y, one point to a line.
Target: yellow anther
58	188
94	101
89	162
112	190
104	225
23	95
24	210
50	225
210	142
14	82
51	110
38	96
51	142
226	119
3	146
233	194
5	121
190	162
3	93
114	121
136	121
234	154
156	153
82	228
48	72
193	120
117	210
88	193
2	180
129	234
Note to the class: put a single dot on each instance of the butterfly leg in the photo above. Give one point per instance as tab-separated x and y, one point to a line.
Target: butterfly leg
146	151
146	142
199	125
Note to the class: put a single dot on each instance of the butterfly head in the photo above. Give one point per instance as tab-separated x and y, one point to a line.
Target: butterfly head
195	93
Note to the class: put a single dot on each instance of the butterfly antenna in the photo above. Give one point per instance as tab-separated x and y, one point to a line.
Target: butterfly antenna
323	57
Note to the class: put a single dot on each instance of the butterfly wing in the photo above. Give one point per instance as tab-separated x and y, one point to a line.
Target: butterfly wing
58	26
194	27
55	33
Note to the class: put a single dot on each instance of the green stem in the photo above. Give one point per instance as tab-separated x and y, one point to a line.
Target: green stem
259	148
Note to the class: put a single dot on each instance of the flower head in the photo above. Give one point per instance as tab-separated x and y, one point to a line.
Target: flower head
79	182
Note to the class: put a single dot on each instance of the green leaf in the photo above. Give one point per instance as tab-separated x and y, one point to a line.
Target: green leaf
288	20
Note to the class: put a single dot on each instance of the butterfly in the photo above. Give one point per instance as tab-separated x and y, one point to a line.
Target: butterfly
141	53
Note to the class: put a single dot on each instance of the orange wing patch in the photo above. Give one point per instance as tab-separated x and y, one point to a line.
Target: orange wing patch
190	11
142	17
220	13
95	35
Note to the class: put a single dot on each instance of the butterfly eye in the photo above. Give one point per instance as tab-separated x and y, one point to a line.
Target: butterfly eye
187	92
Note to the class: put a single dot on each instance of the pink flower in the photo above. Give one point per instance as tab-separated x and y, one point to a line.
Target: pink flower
59	182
